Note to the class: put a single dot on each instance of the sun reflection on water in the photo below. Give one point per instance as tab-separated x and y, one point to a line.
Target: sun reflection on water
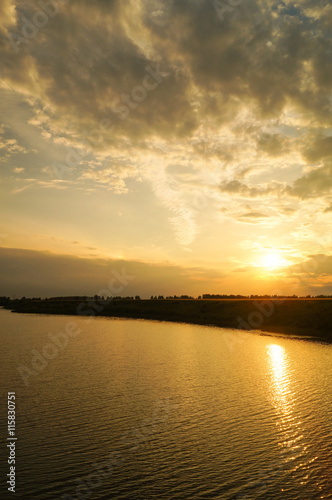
278	362
290	431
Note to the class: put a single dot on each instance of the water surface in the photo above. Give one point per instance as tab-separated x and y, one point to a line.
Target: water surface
182	411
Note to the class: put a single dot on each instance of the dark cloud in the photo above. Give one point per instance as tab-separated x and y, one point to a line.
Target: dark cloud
91	55
89	69
272	144
241	189
315	184
318	265
88	74
35	273
319	148
251	217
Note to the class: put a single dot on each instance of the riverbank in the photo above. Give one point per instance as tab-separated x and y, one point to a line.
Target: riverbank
293	317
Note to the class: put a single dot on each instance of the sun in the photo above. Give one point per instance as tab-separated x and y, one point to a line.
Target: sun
273	261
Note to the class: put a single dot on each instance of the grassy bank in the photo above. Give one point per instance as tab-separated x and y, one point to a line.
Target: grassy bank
303	317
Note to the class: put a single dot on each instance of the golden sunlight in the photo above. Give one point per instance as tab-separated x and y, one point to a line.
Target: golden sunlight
273	261
291	436
277	359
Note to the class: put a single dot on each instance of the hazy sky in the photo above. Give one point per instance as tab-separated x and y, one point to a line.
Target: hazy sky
187	141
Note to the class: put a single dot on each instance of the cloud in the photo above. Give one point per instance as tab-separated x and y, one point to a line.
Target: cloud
248	96
252	216
256	56
183	219
315	184
272	144
314	267
9	146
7	13
35	273
237	187
319	148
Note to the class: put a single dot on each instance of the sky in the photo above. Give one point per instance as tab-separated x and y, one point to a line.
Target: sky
184	143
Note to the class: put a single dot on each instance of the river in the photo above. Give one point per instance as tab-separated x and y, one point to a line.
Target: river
131	409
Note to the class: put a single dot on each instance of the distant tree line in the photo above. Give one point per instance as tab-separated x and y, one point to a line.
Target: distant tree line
4	301
171	297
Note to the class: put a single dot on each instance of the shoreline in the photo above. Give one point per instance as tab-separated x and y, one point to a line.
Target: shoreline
300	319
262	333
